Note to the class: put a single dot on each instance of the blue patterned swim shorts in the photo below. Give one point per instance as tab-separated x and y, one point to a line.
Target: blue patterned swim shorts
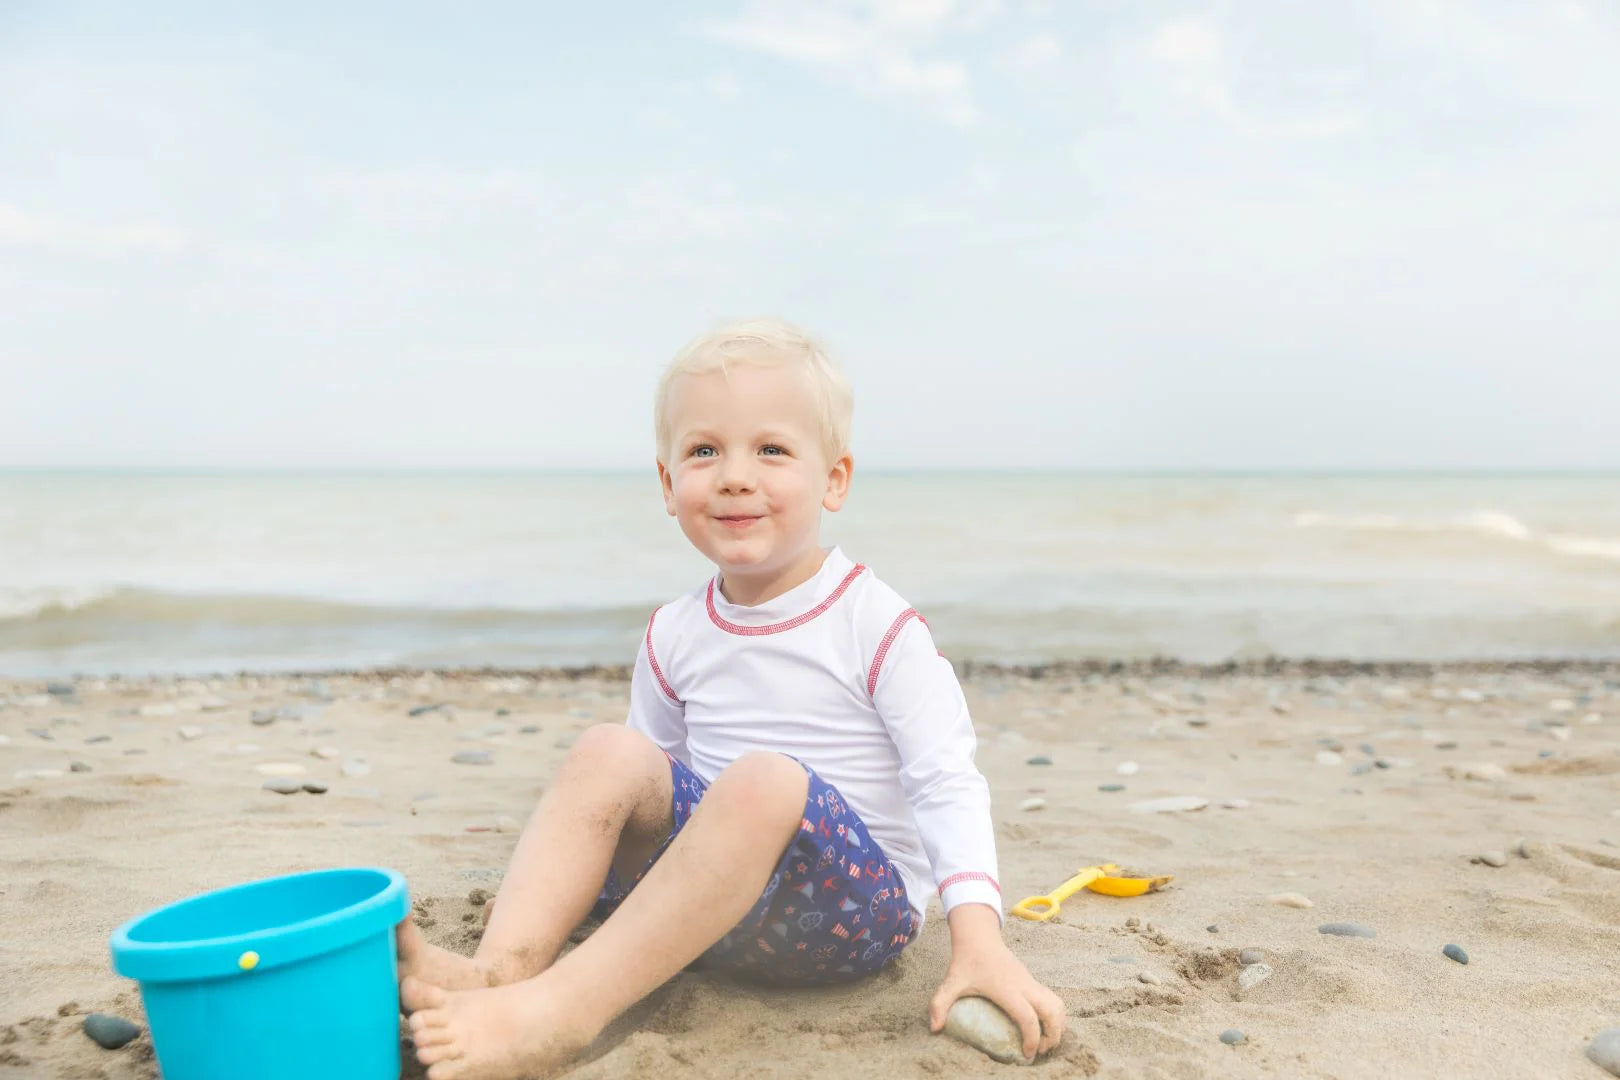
834	909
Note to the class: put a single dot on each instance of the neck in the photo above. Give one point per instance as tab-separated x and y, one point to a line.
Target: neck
746	590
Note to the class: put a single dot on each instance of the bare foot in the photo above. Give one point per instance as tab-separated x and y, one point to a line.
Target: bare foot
433	964
500	1033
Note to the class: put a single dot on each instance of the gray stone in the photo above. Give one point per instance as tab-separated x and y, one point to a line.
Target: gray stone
1251	956
110	1032
1110	787
59	689
41	733
472	757
265	717
80	766
1233	1037
283	787
1212	928
1346	929
315	788
529	729
98	739
979	1023
1456	953
1605	1050
1039	759
566	741
1447	744
422	710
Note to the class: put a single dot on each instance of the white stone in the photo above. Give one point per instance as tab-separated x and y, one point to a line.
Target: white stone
5	740
356	769
979	1023
326	753
158	708
1605	1050
1149	978
190	731
1395	693
1033	803
1592	718
247	748
1473	697
1128	768
1329	757
1561	705
1293	900
507	824
1485	771
280	768
1170	805
1561	734
1253	975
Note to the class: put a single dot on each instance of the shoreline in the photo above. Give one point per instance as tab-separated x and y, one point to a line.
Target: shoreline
1153	667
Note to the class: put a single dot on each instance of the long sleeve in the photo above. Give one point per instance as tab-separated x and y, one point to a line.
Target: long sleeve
920	700
655	711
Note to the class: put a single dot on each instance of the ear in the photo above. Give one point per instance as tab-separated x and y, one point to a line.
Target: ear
838	478
667	482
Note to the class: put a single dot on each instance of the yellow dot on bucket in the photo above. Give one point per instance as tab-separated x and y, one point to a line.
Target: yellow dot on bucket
248	960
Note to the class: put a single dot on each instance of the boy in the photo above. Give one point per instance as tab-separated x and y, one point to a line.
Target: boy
795	776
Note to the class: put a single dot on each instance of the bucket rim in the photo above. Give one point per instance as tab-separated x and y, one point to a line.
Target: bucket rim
129	951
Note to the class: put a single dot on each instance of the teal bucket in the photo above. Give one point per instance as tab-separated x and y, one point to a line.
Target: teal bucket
291	976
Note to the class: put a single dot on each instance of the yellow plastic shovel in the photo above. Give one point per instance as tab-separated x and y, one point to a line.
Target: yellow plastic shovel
1105	879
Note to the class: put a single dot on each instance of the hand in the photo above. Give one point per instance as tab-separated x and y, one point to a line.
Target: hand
983	966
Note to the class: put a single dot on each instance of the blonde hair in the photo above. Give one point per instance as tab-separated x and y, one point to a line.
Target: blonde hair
763	342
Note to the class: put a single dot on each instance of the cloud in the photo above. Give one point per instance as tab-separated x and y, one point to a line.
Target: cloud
876	47
19	229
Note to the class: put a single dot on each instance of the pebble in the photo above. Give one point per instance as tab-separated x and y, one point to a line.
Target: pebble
80	766
1521	848
1253	975
356	769
1493	858
566	741
1292	899
1036	803
1346	929
1128	768
979	1023
529	729
98	739
423	710
1173	804
472	757
264	717
1605	1050
1213	928
1456	953
1233	1037
59	689
1251	956
1485	771
326	753
41	733
1561	705
1149	978
280	768
1329	757
1446	744
1592	718
283	787
5	740
109	1032
314	788
1039	759
1110	787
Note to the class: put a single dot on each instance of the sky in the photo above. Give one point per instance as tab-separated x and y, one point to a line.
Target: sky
1099	235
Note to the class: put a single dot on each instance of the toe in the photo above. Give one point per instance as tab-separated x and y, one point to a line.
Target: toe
431	1034
445	1070
433	1055
415	994
427	1020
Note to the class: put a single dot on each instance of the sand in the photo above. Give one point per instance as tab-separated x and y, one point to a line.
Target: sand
163	814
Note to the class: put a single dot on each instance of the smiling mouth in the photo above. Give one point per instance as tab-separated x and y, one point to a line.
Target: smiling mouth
737	521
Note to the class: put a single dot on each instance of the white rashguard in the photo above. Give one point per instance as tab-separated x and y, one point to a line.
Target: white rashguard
842	674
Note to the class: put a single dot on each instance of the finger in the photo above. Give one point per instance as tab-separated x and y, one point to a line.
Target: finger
941	1003
1023	1014
1050	1008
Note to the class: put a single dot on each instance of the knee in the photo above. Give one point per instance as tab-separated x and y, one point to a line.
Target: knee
615	747
767	786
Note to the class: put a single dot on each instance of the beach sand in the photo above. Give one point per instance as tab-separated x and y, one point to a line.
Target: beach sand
1386	836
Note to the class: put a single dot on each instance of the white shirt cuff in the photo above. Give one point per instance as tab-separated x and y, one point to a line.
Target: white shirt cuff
971	888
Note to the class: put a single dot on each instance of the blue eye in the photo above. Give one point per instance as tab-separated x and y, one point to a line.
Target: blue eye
774	450
702	451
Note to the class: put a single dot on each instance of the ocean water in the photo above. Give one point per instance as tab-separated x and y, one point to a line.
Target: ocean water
134	573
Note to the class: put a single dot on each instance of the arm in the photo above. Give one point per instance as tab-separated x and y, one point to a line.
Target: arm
654	710
920	700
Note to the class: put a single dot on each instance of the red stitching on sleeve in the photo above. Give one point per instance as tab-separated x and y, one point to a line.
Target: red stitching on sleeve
883	649
657	671
968	875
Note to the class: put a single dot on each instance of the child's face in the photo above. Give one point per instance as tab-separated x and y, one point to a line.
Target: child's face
747	476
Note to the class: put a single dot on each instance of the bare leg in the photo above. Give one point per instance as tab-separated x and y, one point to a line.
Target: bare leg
609	804
711	875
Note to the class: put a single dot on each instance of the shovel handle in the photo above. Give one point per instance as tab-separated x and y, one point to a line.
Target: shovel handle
1042	908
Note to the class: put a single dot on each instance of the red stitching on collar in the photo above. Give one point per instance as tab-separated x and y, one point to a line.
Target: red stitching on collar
777	628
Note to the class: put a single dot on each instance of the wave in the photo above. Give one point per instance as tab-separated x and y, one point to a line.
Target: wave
1493	524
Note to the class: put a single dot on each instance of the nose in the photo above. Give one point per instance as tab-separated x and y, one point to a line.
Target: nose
736	475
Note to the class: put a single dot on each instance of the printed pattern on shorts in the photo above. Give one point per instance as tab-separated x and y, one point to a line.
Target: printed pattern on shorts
833	910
